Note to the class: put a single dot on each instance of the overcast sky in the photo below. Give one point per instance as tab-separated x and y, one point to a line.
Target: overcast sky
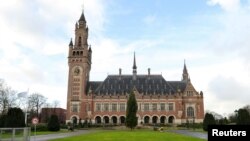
213	36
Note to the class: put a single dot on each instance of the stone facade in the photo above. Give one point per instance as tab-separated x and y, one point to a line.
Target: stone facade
159	101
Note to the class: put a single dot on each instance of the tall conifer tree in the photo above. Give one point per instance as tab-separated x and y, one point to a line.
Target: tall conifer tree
131	119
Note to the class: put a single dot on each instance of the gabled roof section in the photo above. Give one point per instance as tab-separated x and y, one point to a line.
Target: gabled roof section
93	85
178	86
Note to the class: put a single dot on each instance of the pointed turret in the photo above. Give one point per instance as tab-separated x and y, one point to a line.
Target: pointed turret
82	18
90	50
134	66
81	32
185	68
71	43
76	26
185	75
82	21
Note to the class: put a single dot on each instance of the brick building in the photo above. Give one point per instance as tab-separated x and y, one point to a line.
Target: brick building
47	112
159	101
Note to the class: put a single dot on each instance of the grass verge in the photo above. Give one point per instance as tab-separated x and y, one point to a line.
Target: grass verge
136	135
49	132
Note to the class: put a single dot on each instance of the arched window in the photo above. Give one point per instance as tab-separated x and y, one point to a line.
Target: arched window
190	112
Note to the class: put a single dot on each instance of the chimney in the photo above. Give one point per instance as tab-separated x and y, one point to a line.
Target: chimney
148	71
120	71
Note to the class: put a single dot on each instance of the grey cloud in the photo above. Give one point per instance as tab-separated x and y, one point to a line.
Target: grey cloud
229	89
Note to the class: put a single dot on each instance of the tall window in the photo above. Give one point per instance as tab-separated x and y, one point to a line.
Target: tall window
162	106
114	107
87	107
98	107
170	106
106	107
75	108
154	105
189	93
190	112
122	106
80	41
146	107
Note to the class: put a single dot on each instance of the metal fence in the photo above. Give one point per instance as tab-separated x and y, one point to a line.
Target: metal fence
15	134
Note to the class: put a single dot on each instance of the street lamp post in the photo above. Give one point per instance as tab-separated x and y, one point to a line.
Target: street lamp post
26	114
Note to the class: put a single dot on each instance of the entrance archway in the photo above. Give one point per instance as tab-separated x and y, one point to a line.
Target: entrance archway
171	119
114	120
162	119
154	119
74	120
122	120
98	120
106	119
146	119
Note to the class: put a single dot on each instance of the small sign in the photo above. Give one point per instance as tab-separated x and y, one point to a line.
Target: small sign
35	120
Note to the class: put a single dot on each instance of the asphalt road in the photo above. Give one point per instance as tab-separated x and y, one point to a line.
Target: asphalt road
191	133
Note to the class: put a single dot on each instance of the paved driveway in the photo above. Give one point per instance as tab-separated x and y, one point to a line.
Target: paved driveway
191	133
59	135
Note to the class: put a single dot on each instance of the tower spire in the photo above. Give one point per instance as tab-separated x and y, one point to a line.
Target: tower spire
82	18
134	66
185	75
185	68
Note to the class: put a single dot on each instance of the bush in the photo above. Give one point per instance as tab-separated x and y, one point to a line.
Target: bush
96	125
39	127
53	124
199	125
182	125
2	120
63	126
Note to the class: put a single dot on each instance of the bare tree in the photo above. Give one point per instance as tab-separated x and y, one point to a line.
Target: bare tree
35	102
55	104
8	97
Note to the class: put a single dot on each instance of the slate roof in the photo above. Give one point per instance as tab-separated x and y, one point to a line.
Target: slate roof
145	84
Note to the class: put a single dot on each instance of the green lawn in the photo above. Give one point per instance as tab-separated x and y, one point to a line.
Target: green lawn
49	132
137	135
20	133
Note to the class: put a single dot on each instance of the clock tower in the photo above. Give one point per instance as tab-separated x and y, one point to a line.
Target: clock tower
79	62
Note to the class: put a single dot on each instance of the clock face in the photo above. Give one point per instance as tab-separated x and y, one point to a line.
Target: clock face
77	71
